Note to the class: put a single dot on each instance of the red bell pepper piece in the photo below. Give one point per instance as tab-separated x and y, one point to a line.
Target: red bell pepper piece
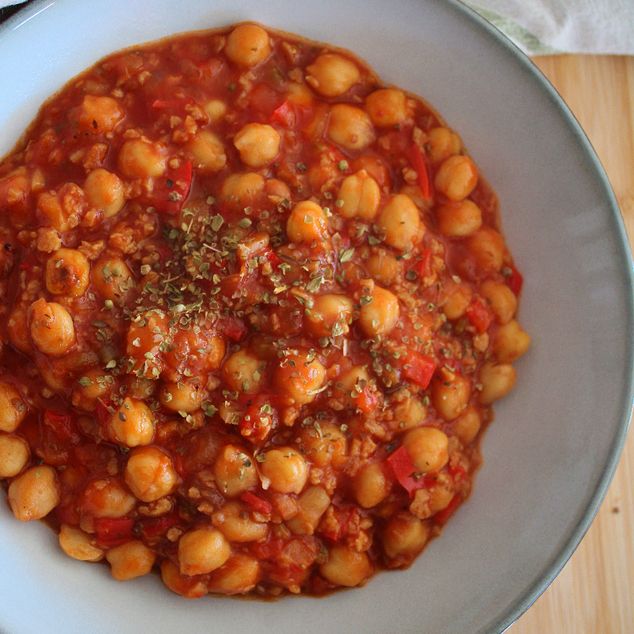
442	517
366	400
284	114
419	368
258	420
479	315
153	528
406	473
256	503
424	263
232	328
418	162
61	425
113	531
172	189
515	280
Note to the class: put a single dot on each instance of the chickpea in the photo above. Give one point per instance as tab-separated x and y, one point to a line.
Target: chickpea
360	196
456	177
18	330
150	474
404	536
132	424
141	159
242	189
67	273
427	447
300	378
105	192
371	485
14	455
383	267
332	75
409	413
487	249
457	299
457	220
34	494
99	114
497	381
258	144
450	393
442	143
467	425
130	560
202	550
52	328
387	107
307	223
236	524
399	222
312	504
329	315
61	209
182	396
244	372
215	109
180	584
112	279
286	469
510	342
248	45
440	497
351	383
324	445
107	498
379	316
501	299
346	567
12	408
78	545
350	127
208	151
238	575
234	471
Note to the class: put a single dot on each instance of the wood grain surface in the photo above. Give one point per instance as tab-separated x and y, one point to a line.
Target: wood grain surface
594	594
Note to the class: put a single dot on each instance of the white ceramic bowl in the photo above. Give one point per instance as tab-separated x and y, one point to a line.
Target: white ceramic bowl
549	455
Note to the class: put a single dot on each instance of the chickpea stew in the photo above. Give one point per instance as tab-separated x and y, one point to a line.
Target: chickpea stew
256	308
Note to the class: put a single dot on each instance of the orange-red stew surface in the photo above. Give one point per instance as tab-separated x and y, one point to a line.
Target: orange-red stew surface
255	310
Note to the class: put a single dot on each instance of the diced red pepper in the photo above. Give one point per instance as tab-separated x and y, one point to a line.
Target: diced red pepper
442	517
113	531
406	473
417	159
61	425
272	257
345	517
515	281
419	368
153	528
257	422
284	114
424	263
232	328
457	472
256	503
366	400
171	190
479	315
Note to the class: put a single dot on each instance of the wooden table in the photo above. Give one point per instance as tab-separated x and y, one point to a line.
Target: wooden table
594	594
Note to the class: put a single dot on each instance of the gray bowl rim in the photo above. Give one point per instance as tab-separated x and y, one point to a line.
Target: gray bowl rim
463	12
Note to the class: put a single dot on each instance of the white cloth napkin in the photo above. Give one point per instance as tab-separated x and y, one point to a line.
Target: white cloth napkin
563	26
555	26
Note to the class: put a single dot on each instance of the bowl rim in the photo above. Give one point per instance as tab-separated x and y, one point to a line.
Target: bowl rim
462	11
